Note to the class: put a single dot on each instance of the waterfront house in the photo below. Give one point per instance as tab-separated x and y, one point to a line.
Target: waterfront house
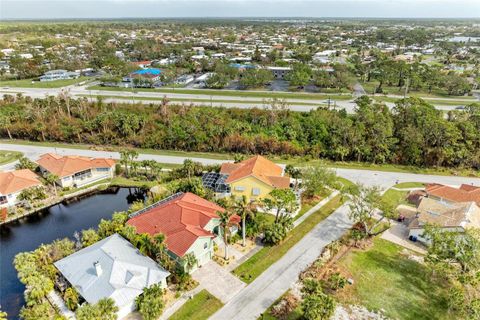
452	217
76	171
190	224
13	183
111	268
254	178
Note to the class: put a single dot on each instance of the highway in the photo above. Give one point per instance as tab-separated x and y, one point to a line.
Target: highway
194	98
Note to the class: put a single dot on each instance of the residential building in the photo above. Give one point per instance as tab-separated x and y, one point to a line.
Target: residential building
254	178
59	75
76	171
151	74
453	217
111	268
190	224
13	183
449	194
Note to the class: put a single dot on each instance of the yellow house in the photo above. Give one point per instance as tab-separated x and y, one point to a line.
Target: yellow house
254	177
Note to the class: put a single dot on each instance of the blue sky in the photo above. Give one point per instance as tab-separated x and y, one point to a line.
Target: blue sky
49	9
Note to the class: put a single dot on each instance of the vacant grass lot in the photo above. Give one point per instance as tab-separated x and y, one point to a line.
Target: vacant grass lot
30	83
9	156
201	307
259	262
384	278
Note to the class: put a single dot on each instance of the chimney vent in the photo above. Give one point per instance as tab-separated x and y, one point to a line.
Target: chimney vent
98	268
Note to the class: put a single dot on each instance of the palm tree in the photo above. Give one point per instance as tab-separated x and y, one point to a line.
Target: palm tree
52	179
189	261
145	244
244	209
224	224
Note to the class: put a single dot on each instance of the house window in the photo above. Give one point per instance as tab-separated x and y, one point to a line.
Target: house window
239	188
103	169
255	191
205	246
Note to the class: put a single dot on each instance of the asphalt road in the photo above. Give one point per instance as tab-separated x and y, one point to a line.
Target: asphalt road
216	101
382	179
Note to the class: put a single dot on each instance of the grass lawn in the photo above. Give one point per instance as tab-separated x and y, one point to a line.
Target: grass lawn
9	156
29	83
405	185
386	279
237	93
126	182
395	197
200	307
449	102
259	262
370	87
204	101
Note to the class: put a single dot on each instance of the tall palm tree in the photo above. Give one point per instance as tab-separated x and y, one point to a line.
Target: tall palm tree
52	179
243	208
224	224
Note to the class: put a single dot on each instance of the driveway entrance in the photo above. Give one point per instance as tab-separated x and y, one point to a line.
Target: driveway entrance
218	281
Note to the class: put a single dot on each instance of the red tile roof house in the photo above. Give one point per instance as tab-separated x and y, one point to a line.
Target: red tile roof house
449	194
76	171
13	183
190	224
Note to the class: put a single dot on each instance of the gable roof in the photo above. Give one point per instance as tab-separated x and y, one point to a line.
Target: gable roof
68	165
181	219
461	214
258	167
464	193
15	181
125	271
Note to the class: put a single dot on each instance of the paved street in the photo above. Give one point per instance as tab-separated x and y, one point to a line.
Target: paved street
196	94
382	179
271	284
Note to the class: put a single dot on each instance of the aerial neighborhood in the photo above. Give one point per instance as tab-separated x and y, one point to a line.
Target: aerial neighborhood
239	169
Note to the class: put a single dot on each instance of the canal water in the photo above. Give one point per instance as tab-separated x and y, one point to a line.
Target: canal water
59	221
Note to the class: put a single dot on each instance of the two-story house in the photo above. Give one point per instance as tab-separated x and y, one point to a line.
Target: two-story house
254	178
189	223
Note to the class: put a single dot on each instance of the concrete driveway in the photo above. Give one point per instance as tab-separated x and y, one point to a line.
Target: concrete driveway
218	281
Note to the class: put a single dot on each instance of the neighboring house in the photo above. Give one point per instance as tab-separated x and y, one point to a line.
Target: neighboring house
76	171
13	183
448	216
254	178
59	75
143	64
111	268
151	74
449	194
189	223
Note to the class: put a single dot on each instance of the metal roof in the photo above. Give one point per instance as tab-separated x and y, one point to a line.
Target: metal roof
124	271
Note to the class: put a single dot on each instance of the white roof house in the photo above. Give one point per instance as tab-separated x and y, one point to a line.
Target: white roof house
111	268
